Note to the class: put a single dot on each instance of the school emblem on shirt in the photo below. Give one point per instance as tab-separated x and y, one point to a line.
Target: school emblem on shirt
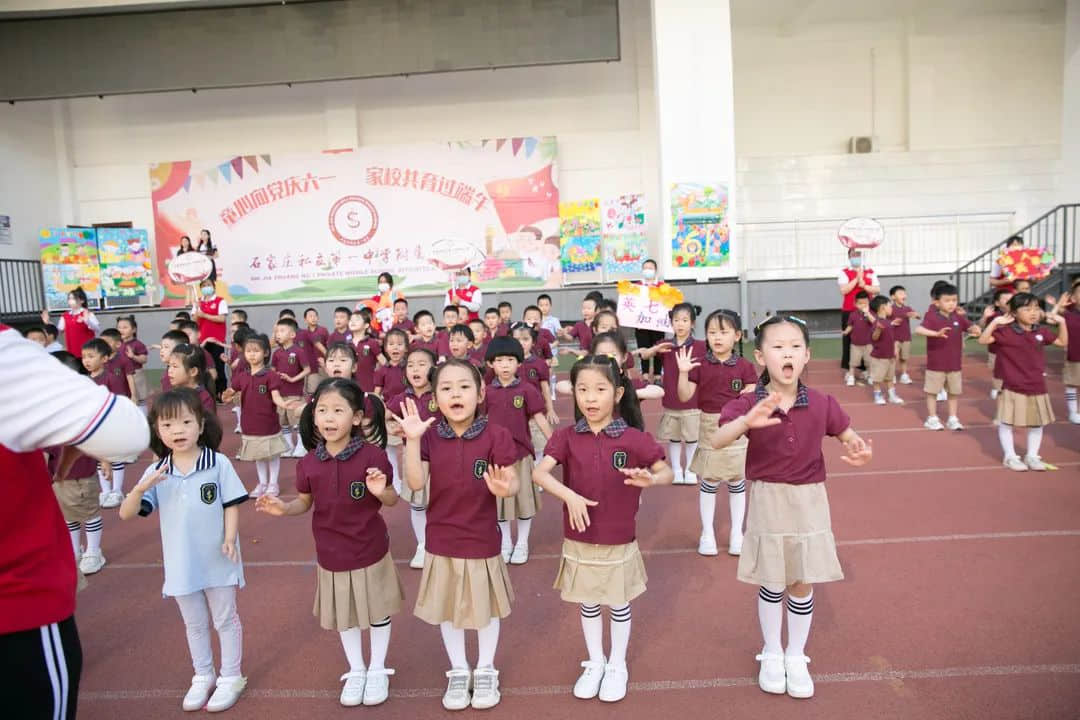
262	389
519	401
116	371
292	358
618	459
479	468
365	351
208	492
432	406
357	489
532	373
736	384
1039	337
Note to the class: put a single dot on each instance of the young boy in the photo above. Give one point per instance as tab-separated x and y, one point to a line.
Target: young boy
401	317
491	322
289	361
367	350
944	330
169	341
582	329
462	315
450	318
36	334
95	358
426	338
480	338
238	316
506	316
883	352
461	345
51	333
548	321
534	371
1002	296
341	327
191	329
860	325
546	343
119	363
902	315
313	338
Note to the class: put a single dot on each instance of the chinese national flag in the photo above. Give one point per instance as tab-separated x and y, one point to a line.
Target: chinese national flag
525	201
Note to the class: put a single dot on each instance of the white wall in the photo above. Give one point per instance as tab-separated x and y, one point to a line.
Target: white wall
29	183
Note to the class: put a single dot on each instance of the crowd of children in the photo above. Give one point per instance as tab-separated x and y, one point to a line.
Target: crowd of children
460	424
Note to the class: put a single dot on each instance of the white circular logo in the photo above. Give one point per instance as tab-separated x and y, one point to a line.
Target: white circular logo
861	233
189	267
353	220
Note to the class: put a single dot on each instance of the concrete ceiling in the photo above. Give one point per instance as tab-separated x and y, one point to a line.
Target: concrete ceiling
789	15
61	8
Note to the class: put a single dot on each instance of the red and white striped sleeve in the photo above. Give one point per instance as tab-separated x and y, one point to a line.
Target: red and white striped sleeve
43	403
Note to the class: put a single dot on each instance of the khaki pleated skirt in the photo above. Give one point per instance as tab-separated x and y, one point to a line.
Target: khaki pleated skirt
261	447
725	464
1071	374
142	389
788	536
357	598
1020	410
600	574
679	426
78	499
468	592
526	503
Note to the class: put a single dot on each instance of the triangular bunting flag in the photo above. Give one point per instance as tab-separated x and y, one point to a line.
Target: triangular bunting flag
515	145
265	159
483	143
499	144
226	171
238	166
252	161
530	146
213	174
187	184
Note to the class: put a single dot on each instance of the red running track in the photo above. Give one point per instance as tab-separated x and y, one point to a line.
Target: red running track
959	600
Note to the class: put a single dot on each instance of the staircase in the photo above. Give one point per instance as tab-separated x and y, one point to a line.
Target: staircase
1056	230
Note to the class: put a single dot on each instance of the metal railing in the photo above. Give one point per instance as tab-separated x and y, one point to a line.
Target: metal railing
22	292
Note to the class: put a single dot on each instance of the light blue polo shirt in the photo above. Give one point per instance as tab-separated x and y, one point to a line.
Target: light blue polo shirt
192	510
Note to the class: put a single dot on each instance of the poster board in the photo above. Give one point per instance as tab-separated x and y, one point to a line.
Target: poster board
579	233
69	259
700	231
125	262
625	243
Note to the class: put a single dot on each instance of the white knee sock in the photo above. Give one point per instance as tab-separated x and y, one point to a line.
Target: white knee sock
395	465
691	448
352	641
274	465
487	640
737	504
504	531
260	469
800	612
76	538
524	526
770	611
592	626
118	477
675	455
454	641
1005	437
93	534
707	506
1034	441
1070	400
418	517
287	434
620	635
380	644
106	486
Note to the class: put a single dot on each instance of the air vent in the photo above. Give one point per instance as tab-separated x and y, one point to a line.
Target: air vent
861	144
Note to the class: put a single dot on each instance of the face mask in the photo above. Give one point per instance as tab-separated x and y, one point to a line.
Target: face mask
384	287
856	261
72	303
463	280
208	291
648	273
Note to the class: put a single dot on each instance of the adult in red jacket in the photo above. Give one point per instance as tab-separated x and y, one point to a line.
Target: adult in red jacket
78	324
464	294
46	404
212	314
853	279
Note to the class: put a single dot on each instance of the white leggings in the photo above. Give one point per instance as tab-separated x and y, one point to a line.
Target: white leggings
197	609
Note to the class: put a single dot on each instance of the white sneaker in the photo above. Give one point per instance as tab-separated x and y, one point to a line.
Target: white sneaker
417	562
799	684
707	545
456	696
942	396
613	684
933	423
92	561
735	543
506	552
905	379
993	394
879	399
102	497
258	492
771	675
299	451
588	683
198	693
520	556
953	423
485	692
273	490
896	399
353	692
691	478
227	693
849	380
377	686
1074	418
1034	462
679	478
112	500
237	429
1013	462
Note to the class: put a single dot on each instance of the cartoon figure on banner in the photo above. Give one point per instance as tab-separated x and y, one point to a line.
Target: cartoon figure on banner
700	232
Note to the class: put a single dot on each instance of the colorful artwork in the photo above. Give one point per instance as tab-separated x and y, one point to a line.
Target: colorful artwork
69	259
1026	263
625	243
647	307
579	230
125	261
700	236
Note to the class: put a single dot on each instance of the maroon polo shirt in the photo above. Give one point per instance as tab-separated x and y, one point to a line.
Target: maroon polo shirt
338	337
502	330
462	519
1021	360
367	358
945	354
791	451
208	359
885	346
258	413
1072	324
406	325
431	345
320	335
166	383
544	338
119	360
670	378
113	377
290	361
534	371
511	407
207	400
476	357
84	467
591	463
721	381
425	404
391	378
901	323
137	348
583	333
307	348
861	328
349	531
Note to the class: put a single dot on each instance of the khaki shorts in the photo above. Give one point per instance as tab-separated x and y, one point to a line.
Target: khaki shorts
311	382
78	499
903	349
938	380
860	354
1071	374
882	370
291	416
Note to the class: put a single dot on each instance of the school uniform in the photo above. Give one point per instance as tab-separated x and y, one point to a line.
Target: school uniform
861	338
260	427
991	355
583	333
602	565
356	582
431	345
535	371
718	383
502	330
289	361
478	357
465	580
512	407
944	356
901	327
367	359
114	379
78	494
883	353
1021	360
142	390
789	535
122	367
406	325
207	400
1071	371
390	379
544	340
681	421
427	407
306	342
338	337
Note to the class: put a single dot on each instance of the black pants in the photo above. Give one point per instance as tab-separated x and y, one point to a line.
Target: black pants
216	352
39	672
646	339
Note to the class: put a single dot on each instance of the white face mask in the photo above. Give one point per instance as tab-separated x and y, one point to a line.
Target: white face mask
648	273
463	280
384	287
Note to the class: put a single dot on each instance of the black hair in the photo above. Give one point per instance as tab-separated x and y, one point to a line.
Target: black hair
342	347
454	362
286	312
288	322
628	407
242	314
177	336
1014	240
721	316
130	319
862	295
542	296
262	341
531	307
364	312
99	346
878	302
80	295
504	347
420	315
181	249
1000	292
1019	300
206	280
449	308
491	311
342	309
34	329
388	276
395	332
597	316
649	261
182	315
168	405
69	360
372	426
596	296
51	329
525	327
112	333
694	311
944	289
612	337
934	288
193	358
505	304
759	337
432	360
463	329
241	335
401	300
607	305
310	309
1020	280
894	288
209	240
188	325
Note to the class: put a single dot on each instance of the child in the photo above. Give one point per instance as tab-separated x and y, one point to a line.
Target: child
290	364
680	424
419	371
119	363
546	342
401	317
78	324
347	479
506	317
313	338
491	322
860	326
938	284
367	350
461	345
186	368
260	426
239	364
190	328
1000	307
513	404
1023	401
548	321
464	460
389	383
341	326
169	341
197	492
450	318
426	339
720	379
95	358
480	341
789	541
607	458
944	330
133	349
462	315
582	330
902	315
51	343
1068	308
37	334
534	371
883	352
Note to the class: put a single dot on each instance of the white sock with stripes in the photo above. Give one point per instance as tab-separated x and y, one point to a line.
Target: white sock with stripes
675	455
418	518
737	504
1070	400
118	477
74	529
380	644
620	635
707	506
93	534
592	626
800	613
770	612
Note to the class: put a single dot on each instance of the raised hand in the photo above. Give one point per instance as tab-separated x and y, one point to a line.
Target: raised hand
150	480
685	359
498	480
760	415
664	347
410	422
943	332
638	477
44	317
857	451
270	505
375	481
577	508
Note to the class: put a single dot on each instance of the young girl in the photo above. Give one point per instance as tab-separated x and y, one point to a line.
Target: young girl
134	350
535	371
1021	362
789	541
389	383
367	350
187	369
998	309
197	492
722	377
680	424
347	478
78	324
95	359
1068	308
465	585
419	372
607	458
260	428
614	346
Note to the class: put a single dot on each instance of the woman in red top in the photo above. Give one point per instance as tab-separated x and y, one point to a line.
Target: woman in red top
78	324
850	281
650	369
212	314
464	293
